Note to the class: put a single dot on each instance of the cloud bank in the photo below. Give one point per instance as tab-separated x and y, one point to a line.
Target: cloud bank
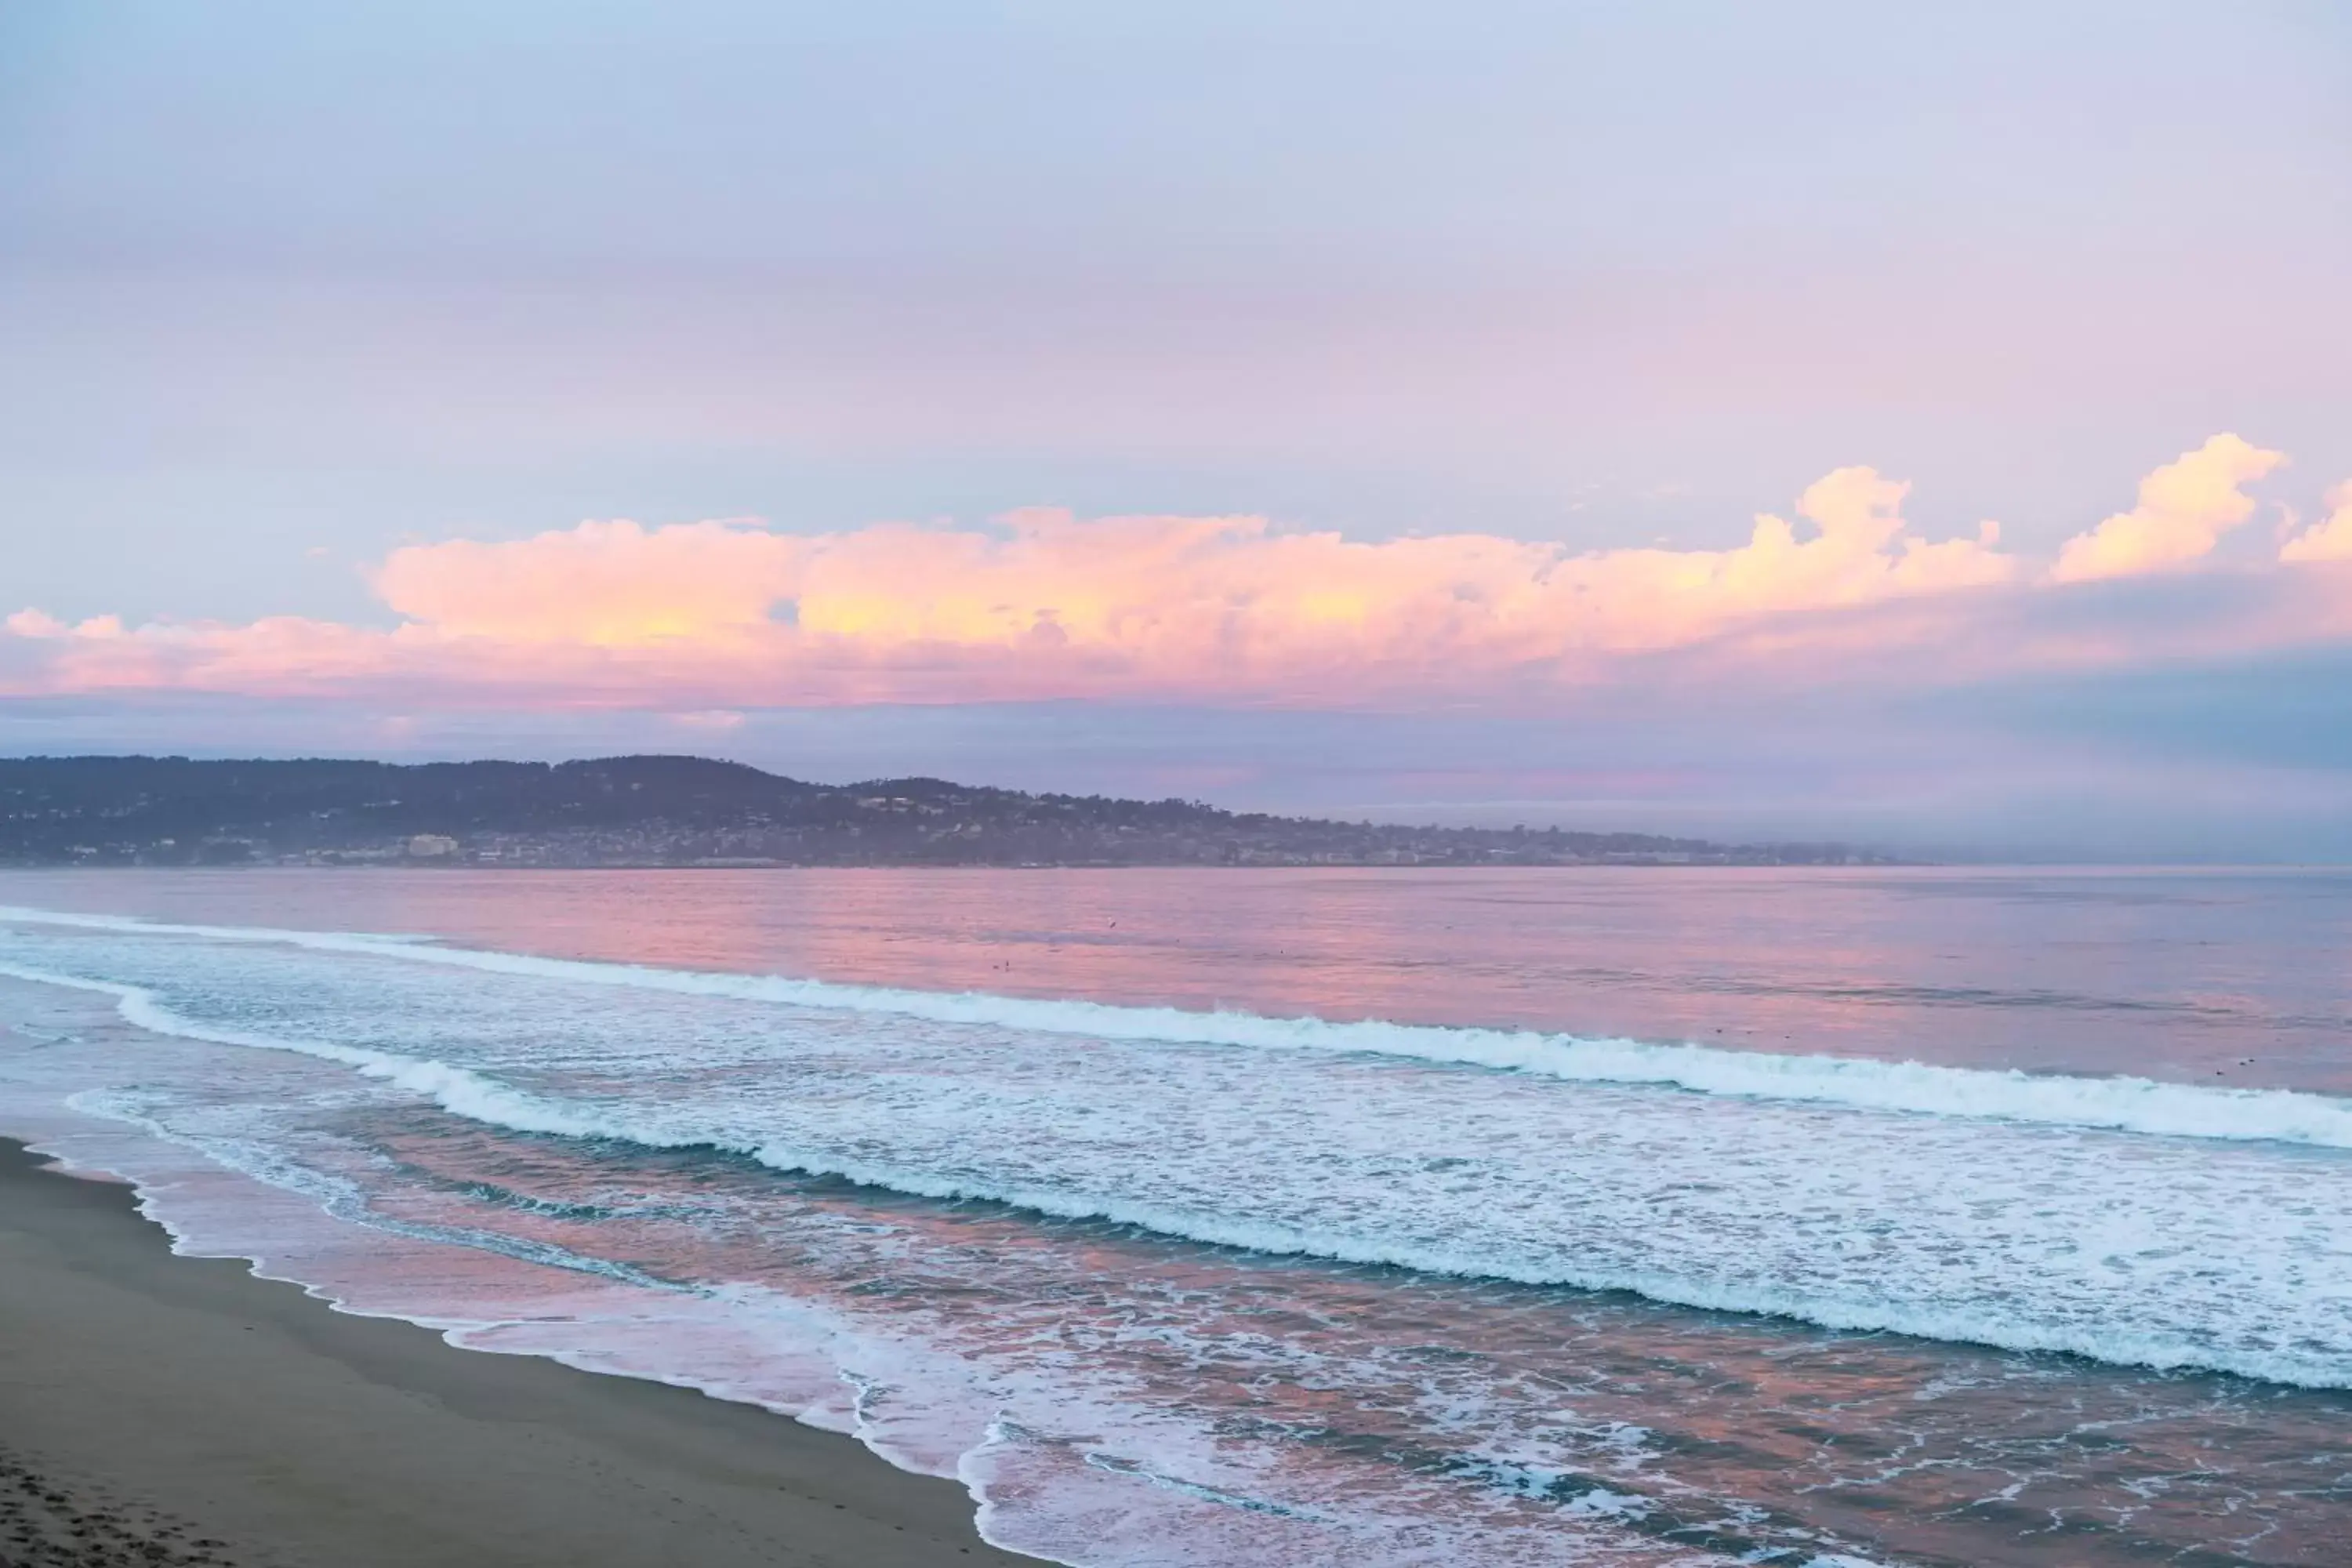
710	617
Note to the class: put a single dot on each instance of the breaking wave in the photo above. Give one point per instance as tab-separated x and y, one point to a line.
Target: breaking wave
2125	1104
482	1098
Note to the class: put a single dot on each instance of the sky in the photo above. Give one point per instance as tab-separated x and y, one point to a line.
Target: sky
1924	426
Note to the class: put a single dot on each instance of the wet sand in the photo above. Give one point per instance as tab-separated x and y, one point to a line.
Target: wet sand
156	1409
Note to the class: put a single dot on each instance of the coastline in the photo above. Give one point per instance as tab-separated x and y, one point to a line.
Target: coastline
160	1409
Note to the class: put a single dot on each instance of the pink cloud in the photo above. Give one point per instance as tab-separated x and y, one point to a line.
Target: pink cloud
701	620
1168	602
2184	509
2330	538
601	584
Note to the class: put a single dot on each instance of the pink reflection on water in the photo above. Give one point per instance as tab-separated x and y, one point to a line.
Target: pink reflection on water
2222	977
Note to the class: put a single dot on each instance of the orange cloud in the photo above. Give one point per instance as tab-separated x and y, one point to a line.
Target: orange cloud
2184	509
2330	538
1052	604
704	619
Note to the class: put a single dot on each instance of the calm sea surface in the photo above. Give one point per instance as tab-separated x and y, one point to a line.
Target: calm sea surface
1633	1216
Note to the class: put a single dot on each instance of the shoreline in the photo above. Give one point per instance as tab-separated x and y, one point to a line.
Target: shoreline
163	1409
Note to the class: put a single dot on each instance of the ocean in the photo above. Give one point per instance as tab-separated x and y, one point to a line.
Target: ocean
1691	1216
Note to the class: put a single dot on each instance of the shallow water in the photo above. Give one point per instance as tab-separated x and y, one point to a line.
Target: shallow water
1292	1217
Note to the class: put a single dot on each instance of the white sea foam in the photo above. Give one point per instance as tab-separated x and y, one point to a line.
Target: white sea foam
2125	1104
1645	1239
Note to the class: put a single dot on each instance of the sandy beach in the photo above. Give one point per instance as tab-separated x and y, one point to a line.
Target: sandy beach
156	1409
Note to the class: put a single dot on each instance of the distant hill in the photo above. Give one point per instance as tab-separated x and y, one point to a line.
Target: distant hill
691	811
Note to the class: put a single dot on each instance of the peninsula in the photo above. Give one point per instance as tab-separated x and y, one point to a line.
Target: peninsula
693	811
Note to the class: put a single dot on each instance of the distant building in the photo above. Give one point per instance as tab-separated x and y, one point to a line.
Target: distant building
432	846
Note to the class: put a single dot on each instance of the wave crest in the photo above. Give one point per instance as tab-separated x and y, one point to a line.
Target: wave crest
2124	1104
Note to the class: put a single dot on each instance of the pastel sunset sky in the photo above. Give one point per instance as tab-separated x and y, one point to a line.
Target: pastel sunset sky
1930	426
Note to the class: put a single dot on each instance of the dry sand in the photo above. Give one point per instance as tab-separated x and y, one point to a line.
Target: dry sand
156	1409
